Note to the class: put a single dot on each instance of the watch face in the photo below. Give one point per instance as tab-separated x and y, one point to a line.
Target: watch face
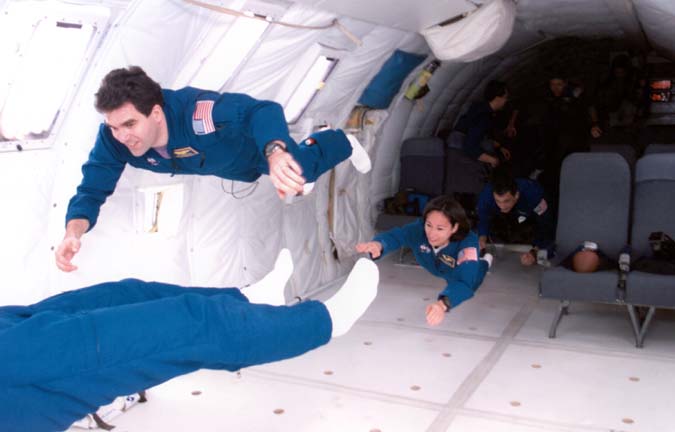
271	148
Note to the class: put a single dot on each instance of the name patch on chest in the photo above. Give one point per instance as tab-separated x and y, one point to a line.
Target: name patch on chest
447	260
184	152
202	118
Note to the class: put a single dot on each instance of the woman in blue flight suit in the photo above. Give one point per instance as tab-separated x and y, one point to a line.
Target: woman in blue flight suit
444	245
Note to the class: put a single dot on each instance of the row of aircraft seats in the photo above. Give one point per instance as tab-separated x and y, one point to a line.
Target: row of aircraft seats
601	201
629	153
429	167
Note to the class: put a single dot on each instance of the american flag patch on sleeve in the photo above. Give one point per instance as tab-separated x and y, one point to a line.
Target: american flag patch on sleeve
540	209
202	118
467	254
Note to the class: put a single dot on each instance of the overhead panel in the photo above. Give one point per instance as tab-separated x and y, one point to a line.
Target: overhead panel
408	15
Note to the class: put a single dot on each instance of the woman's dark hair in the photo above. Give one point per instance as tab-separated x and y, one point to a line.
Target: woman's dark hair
493	89
451	210
128	85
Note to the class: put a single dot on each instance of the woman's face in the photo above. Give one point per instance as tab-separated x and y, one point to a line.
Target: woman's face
439	229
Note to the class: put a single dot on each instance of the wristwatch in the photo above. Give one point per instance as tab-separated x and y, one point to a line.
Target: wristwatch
446	302
273	146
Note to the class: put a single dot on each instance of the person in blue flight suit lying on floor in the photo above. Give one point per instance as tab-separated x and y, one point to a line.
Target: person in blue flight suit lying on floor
67	355
193	131
443	244
515	211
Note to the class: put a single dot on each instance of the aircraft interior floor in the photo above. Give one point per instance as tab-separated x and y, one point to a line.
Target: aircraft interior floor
489	367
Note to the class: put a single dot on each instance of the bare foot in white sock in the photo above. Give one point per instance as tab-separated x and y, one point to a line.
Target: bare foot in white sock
359	157
270	289
357	293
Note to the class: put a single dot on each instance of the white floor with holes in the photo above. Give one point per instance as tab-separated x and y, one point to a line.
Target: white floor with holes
489	367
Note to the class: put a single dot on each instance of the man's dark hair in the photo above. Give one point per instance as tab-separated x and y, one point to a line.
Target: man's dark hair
503	182
556	75
493	89
128	85
452	210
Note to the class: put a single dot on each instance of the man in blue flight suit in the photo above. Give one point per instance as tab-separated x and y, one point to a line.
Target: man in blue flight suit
67	355
516	211
192	131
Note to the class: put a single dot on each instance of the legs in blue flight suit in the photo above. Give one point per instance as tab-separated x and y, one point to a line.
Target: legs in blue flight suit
68	355
62	358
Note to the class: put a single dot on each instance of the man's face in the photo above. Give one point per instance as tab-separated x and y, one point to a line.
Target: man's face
506	201
500	101
620	72
133	129
557	86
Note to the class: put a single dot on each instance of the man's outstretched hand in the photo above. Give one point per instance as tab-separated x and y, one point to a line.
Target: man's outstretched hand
70	245
286	174
65	253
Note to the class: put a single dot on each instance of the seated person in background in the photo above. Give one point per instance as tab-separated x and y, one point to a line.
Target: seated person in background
515	211
443	244
64	357
588	258
474	130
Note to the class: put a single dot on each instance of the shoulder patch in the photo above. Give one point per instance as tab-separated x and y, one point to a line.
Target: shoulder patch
467	254
541	208
202	118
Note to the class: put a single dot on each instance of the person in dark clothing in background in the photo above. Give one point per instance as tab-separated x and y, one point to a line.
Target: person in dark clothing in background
612	96
474	132
564	129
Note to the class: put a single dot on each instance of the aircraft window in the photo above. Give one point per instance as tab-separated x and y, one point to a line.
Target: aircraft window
44	54
314	80
214	68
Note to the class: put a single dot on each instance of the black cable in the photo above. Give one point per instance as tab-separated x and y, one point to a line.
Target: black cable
247	190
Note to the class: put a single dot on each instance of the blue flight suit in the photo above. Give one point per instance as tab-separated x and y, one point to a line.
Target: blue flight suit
531	207
64	357
477	124
457	262
209	134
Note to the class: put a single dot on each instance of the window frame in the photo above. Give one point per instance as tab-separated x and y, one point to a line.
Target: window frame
96	16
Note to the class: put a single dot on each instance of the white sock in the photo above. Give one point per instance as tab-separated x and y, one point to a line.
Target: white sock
488	258
354	297
270	289
359	157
